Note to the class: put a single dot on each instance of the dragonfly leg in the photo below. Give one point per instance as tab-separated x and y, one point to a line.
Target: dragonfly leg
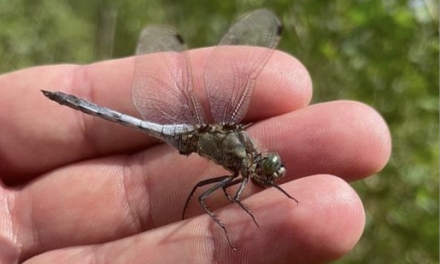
243	181
219	180
271	184
229	184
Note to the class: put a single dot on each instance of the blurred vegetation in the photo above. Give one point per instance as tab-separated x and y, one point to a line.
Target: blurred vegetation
383	53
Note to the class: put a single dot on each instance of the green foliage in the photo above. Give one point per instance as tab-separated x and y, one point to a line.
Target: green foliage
383	53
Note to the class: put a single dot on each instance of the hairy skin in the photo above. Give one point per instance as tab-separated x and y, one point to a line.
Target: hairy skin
81	189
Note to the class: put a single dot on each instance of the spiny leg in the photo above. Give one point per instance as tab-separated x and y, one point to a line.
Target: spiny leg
243	181
206	193
271	184
200	184
236	181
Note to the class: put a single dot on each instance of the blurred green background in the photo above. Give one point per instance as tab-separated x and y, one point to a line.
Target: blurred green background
383	53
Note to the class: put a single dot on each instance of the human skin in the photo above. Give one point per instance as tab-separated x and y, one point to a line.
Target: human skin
78	189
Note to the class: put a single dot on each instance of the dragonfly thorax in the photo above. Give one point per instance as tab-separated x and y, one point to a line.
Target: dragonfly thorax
227	146
231	147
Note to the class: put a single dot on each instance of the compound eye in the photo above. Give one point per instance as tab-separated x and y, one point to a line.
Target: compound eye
272	165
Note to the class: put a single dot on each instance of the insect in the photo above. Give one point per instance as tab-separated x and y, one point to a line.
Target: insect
175	115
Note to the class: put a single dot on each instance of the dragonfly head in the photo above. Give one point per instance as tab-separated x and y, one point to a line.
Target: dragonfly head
269	170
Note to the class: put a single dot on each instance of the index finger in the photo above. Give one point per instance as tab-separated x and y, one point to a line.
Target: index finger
39	135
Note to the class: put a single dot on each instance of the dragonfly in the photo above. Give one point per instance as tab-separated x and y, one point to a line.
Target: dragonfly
175	114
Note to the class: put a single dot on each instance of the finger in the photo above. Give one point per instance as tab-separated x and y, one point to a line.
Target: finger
48	130
325	225
148	190
343	138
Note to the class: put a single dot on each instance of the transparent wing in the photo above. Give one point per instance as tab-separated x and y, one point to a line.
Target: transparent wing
162	86
230	72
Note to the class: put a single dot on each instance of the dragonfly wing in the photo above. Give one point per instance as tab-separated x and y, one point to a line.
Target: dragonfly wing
231	71
162	84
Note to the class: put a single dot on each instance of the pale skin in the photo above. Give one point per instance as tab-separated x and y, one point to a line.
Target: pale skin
82	189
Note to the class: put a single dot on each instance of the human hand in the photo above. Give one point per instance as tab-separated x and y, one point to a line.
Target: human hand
86	190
